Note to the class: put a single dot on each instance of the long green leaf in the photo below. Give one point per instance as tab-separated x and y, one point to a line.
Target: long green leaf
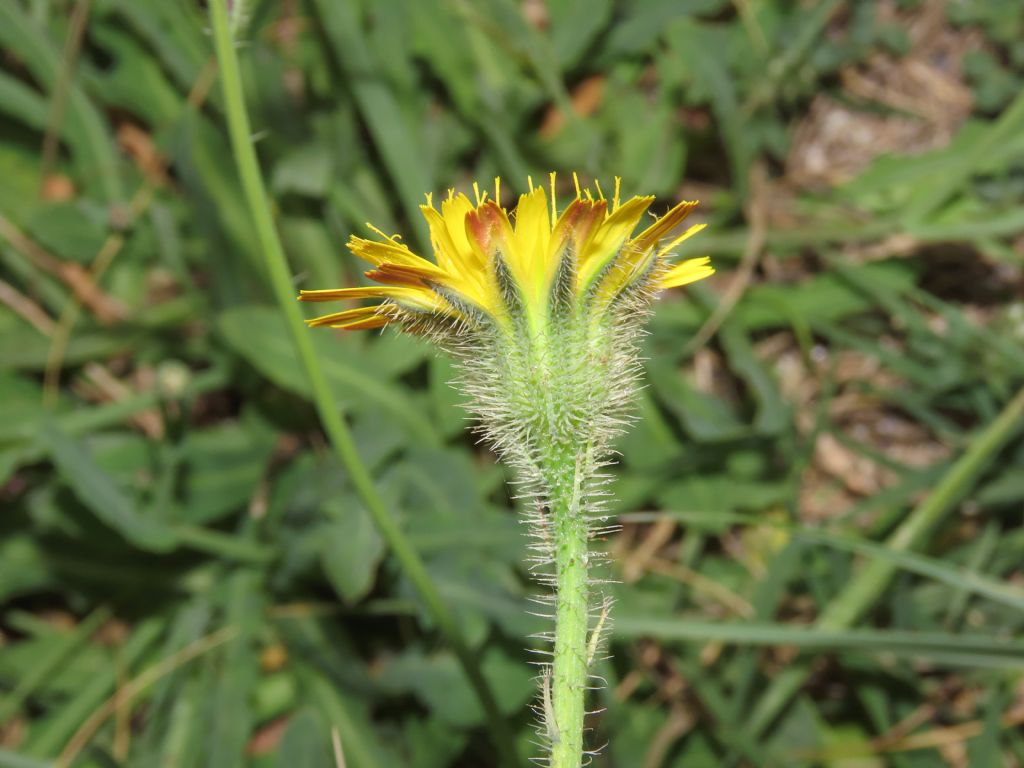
97	491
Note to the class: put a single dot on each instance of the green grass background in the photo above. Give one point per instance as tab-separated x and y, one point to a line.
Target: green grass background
821	555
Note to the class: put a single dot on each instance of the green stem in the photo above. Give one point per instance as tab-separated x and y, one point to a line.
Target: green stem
569	672
337	432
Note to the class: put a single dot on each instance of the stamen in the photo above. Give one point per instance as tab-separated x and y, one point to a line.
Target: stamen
615	200
529	181
576	181
599	192
476	191
430	199
497	190
389	238
554	206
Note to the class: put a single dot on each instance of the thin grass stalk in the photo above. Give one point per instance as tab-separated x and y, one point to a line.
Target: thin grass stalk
337	432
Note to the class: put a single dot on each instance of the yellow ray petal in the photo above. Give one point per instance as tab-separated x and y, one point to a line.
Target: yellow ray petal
419	298
362	292
610	236
373	321
689	271
490	234
391	251
690	232
574	229
381	314
455	255
419	280
638	254
448	234
532	233
578	222
660	229
445	252
454	211
634	262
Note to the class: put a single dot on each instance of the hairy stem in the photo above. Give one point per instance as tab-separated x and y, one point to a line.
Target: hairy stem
550	400
564	472
569	672
552	407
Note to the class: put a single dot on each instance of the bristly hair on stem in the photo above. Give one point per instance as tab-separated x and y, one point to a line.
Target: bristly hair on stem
239	15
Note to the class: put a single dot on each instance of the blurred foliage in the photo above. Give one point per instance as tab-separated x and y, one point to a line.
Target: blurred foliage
175	534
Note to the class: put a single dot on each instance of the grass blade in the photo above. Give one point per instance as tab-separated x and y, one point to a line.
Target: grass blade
872	580
97	491
94	149
45	666
970	650
960	578
379	108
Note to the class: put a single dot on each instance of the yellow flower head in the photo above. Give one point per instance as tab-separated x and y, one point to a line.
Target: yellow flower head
493	268
542	313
